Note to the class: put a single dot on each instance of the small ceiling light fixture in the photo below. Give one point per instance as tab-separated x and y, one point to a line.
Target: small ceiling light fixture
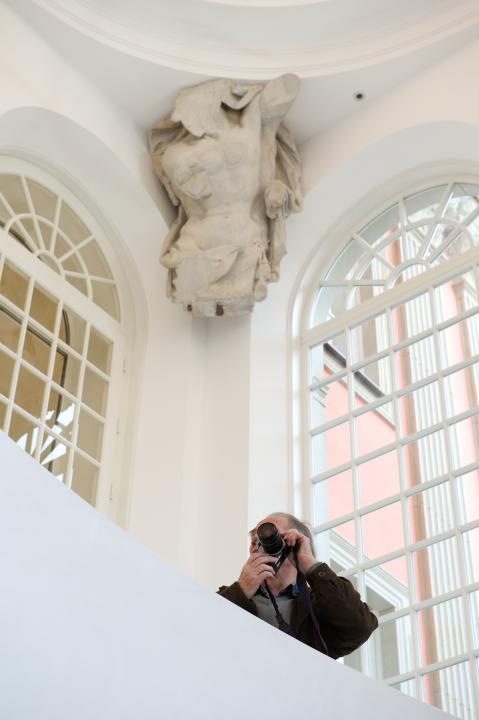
358	96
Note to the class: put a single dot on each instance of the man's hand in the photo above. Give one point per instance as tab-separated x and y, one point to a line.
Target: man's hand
277	199
255	571
306	559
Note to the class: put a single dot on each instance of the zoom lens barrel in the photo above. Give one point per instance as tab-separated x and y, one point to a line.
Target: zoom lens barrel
270	539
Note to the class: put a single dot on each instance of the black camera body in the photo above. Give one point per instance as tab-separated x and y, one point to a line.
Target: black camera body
269	538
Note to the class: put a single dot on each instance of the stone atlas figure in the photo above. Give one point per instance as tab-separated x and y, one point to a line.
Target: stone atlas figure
232	170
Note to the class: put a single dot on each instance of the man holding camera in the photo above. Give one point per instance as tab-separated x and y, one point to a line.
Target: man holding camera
284	584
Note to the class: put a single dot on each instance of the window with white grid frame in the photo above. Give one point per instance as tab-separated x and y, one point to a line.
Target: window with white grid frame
392	364
60	335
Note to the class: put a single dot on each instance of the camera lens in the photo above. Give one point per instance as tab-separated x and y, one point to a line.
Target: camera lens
270	539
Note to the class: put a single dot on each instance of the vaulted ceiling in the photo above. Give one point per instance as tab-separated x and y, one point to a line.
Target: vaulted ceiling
140	53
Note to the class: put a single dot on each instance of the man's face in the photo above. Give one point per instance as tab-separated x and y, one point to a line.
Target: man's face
280	522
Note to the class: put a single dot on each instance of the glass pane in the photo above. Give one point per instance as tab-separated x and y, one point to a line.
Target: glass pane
105	296
454	341
338	543
460	391
331	448
84	479
425	459
99	351
430	512
379	478
95	390
420	409
415	362
451	690
470	548
67	371
54	456
412	317
442	631
78	283
72	226
468	496
6	371
74	330
423	205
372	381
462	202
436	569
36	350
383	226
9	329
44	201
464	446
329	401
449	296
369	338
374	429
29	392
333	497
90	435
43	308
387	586
24	432
396	648
14	285
376	541
95	260
60	414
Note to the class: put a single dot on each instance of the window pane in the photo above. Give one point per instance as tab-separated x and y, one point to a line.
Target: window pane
36	350
408	687
379	478
60	414
423	205
6	372
333	497
425	459
329	401
54	456
442	631
374	429
371	381
99	351
84	479
464	444
369	338
24	433
9	329
73	333
468	496
448	296
396	648
376	541
387	586
338	545
460	391
29	392
474	601
412	317
430	512
95	390
454	341
420	409
331	448
43	308
13	285
90	435
415	362
436	569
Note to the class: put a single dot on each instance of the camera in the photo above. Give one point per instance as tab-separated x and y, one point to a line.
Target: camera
269	538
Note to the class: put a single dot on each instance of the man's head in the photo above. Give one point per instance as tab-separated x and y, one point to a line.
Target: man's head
284	522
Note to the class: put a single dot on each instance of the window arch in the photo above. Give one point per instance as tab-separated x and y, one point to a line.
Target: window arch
391	358
62	343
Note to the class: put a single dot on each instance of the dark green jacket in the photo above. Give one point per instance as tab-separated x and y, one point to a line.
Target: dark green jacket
345	620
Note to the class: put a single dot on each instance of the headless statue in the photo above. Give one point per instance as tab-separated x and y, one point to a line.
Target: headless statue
232	169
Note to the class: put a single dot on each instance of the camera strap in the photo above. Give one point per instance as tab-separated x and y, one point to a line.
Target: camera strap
282	624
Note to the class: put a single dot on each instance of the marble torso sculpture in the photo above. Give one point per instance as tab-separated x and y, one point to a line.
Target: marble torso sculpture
231	168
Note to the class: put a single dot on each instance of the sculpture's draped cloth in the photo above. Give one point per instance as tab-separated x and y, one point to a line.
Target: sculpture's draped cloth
231	168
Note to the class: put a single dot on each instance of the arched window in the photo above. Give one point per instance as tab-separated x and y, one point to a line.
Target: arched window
61	339
392	445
